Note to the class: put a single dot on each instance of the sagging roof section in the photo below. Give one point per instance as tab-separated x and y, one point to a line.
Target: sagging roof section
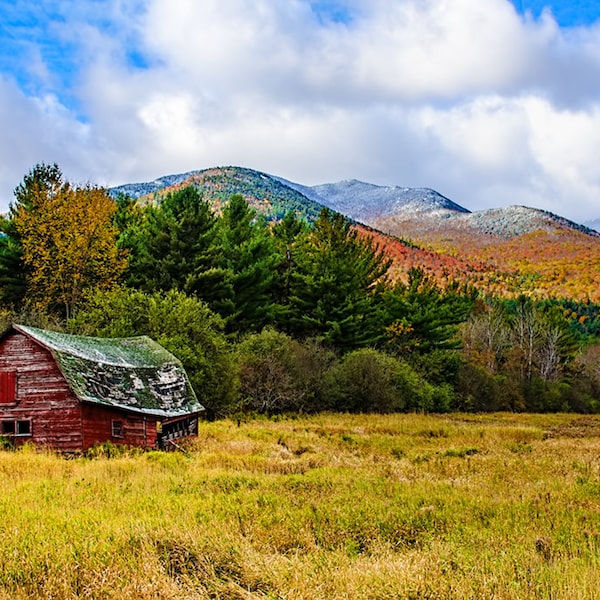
132	373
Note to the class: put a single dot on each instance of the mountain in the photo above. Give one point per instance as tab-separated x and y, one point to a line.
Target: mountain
396	210
504	251
509	250
264	192
366	202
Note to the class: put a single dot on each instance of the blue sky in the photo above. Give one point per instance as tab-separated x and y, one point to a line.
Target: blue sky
491	102
567	14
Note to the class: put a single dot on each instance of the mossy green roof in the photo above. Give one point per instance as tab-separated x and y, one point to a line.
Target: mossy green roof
132	373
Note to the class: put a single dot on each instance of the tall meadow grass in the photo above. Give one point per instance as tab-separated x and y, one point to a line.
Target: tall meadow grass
330	506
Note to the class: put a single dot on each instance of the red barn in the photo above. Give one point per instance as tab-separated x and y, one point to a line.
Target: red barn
70	392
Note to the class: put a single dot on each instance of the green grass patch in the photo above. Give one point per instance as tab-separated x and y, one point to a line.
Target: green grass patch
328	506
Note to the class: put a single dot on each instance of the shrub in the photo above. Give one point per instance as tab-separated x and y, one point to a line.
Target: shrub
279	374
367	380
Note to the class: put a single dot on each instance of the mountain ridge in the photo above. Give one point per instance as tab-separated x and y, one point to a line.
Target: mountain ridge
505	251
594	224
362	200
265	192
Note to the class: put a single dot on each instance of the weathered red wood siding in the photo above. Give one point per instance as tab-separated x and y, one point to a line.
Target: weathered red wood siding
32	388
97	426
42	395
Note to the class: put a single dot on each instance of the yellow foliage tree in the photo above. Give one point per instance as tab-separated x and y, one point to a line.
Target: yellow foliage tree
68	241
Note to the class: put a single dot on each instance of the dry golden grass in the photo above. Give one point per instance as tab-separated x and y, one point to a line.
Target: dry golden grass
331	506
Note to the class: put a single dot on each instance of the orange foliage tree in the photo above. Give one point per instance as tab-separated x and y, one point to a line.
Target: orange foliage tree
67	238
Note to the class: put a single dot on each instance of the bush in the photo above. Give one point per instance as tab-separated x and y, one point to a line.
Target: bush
438	366
477	390
367	380
279	374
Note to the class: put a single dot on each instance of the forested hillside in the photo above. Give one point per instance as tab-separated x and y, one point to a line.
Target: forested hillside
289	309
519	251
266	194
502	252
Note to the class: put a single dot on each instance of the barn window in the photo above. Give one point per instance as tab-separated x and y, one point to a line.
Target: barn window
23	427
8	387
117	429
7	427
15	427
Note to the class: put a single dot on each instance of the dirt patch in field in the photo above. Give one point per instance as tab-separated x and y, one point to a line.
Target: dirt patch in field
581	427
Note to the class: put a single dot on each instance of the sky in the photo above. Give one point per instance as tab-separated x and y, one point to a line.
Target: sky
490	102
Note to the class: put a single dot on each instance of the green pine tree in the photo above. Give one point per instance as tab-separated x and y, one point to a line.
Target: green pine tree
176	246
336	285
422	317
250	252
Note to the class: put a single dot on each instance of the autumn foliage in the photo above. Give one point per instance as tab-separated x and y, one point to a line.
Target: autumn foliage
311	311
67	239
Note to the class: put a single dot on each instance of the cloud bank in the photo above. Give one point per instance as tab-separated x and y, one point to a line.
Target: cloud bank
465	96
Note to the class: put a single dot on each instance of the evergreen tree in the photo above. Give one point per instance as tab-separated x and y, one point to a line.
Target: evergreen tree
421	317
13	285
286	233
127	218
176	246
226	261
250	253
335	287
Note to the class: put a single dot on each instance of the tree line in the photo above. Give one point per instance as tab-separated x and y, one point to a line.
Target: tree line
282	315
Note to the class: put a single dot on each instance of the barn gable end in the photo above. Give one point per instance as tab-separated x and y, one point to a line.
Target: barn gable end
42	397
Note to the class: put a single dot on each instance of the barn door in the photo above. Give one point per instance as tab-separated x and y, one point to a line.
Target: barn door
8	387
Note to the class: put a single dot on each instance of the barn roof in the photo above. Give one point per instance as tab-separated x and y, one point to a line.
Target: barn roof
132	373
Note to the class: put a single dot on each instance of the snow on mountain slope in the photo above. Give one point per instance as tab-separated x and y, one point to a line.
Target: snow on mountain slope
365	202
137	190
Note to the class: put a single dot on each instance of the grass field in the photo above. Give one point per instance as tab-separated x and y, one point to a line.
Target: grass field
332	506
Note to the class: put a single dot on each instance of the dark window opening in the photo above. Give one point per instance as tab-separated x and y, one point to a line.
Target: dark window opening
8	427
117	429
23	428
15	427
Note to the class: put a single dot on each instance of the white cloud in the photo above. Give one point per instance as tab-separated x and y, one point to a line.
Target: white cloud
171	118
460	95
399	50
37	130
431	48
486	133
